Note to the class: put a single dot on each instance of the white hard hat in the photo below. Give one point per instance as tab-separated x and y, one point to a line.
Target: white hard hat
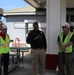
1	22
66	25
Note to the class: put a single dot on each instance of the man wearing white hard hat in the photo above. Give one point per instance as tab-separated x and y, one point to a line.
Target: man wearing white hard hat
65	43
4	49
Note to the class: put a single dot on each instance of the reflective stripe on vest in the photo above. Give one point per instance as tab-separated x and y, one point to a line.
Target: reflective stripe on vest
4	49
66	40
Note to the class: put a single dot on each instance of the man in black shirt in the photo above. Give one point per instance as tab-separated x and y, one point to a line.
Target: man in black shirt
37	40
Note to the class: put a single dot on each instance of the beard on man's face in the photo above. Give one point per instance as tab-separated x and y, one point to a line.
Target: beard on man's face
4	31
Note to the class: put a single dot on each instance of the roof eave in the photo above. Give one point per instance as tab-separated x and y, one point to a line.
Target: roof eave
32	3
19	13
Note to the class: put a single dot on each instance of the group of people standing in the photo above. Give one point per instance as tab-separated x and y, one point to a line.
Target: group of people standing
37	40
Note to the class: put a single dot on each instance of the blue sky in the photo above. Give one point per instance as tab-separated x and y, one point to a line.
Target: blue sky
11	4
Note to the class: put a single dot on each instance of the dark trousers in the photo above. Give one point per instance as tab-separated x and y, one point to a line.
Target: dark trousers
0	71
5	63
0	65
65	60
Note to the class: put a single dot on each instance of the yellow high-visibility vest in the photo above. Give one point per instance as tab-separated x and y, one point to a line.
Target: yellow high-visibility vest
67	39
2	41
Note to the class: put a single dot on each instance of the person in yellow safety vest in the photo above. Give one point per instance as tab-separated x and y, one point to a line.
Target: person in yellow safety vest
4	49
65	43
0	53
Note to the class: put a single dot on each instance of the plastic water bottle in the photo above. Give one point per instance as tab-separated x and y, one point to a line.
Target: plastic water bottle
57	68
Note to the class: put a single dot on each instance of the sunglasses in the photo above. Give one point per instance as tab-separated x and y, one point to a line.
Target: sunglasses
64	27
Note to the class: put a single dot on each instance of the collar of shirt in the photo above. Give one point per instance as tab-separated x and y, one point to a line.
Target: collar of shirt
2	35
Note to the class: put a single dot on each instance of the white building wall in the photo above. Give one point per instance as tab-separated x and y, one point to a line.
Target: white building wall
62	11
56	10
21	18
20	32
15	33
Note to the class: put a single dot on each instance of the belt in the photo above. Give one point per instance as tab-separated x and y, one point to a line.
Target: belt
5	53
64	53
37	48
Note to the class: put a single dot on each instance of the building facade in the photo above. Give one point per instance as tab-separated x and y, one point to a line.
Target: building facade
57	12
19	21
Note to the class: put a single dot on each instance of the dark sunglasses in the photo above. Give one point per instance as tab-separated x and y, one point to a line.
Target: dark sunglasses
64	27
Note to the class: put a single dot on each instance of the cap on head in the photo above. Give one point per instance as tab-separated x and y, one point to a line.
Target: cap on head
1	22
66	25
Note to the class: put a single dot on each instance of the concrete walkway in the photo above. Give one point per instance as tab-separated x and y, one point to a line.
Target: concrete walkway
24	68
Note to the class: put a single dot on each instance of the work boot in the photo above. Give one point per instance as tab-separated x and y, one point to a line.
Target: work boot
5	74
0	71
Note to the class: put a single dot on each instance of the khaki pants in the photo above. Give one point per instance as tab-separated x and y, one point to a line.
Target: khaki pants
38	58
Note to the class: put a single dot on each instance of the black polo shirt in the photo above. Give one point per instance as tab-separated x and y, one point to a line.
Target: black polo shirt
38	43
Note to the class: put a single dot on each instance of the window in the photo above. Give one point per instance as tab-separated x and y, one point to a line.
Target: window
72	18
19	25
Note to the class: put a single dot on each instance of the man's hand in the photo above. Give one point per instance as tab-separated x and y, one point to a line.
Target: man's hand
37	37
63	48
5	45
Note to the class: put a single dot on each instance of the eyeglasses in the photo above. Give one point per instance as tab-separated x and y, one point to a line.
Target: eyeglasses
64	27
0	24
